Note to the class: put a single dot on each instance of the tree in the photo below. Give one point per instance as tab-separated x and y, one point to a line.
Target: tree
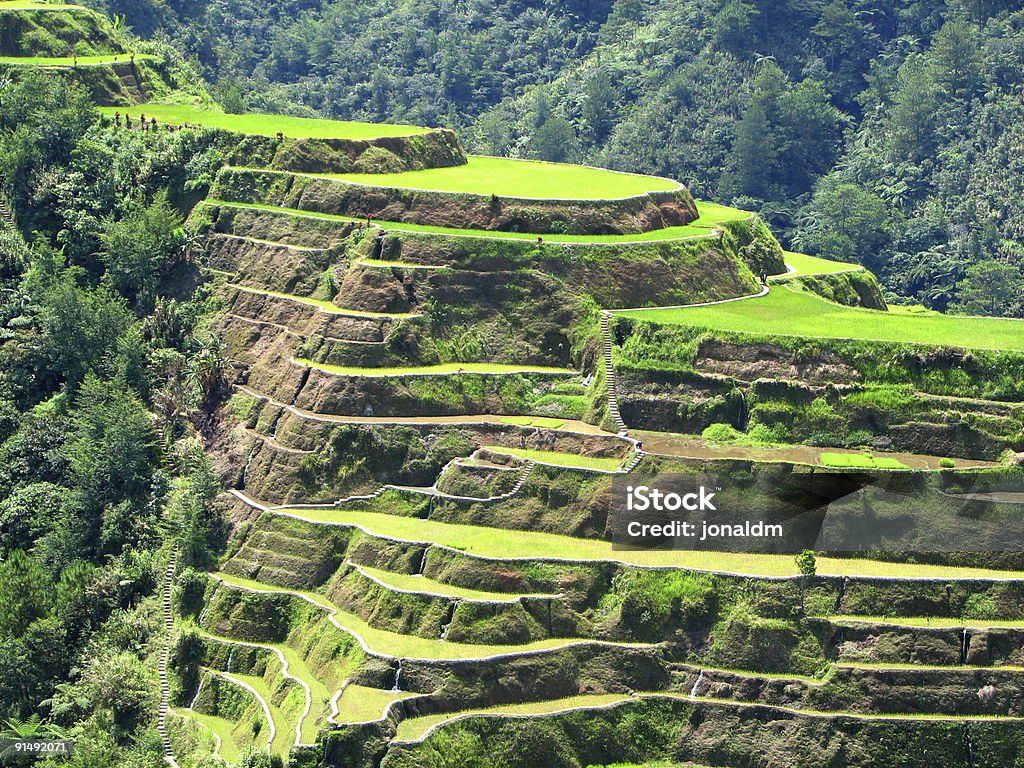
26	593
990	288
141	250
110	455
598	104
851	223
554	140
955	59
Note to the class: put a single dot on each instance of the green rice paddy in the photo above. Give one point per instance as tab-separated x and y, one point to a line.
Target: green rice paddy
220	726
710	214
397	644
284	733
70	61
569	460
788	312
444	369
861	461
360	704
414	728
412	583
804	265
507	177
32	5
502	543
936	622
259	124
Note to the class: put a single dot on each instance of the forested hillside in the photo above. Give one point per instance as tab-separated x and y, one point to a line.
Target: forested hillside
878	132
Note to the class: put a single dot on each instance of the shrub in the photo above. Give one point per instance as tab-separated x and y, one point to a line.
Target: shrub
947	463
721	433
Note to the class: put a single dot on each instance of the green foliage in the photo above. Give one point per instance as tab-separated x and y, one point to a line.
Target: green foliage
807	563
141	251
26	592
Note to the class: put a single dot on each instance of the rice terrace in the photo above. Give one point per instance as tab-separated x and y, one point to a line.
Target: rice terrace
391	390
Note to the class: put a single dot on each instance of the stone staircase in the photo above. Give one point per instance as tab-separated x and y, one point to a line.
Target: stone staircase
165	690
6	215
609	372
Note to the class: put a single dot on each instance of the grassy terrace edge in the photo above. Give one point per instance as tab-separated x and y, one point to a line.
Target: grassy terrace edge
700	228
786	312
500	544
268	125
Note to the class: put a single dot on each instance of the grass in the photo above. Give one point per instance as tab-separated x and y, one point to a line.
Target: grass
260	124
321	304
570	460
520	178
533	421
811	265
284	735
701	227
861	461
444	369
32	5
395	644
787	312
320	695
359	704
220	726
414	728
502	544
936	622
423	584
69	61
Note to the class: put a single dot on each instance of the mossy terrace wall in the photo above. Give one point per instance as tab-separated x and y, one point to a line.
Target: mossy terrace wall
437	148
903	397
643	213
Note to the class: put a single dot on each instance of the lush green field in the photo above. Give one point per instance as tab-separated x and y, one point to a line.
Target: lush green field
860	461
259	124
937	622
395	643
414	728
701	227
445	369
503	543
571	460
787	312
215	725
507	177
284	734
802	265
412	583
69	61
359	704
33	5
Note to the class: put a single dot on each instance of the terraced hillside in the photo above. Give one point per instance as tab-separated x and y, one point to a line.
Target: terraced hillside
85	45
442	363
436	389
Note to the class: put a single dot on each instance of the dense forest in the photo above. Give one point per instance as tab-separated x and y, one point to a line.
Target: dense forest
878	132
104	370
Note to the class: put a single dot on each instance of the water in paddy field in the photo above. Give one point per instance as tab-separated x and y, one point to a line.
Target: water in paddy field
398	677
